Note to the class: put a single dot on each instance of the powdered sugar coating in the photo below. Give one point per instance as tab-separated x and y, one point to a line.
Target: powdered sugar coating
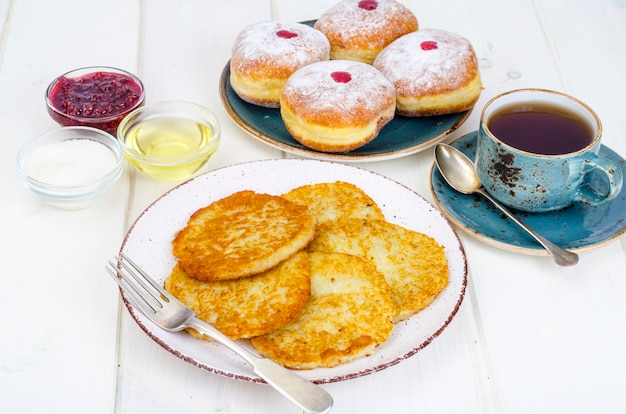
349	26
320	98
416	72
258	48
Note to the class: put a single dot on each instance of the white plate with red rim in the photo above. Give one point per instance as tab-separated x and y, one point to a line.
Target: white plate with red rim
148	242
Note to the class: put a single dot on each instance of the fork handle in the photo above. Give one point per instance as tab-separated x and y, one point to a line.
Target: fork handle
305	394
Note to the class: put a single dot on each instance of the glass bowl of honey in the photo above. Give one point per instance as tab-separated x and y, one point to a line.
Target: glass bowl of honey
71	167
170	140
95	96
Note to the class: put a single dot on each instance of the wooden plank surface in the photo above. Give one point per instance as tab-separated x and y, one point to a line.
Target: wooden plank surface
529	337
58	309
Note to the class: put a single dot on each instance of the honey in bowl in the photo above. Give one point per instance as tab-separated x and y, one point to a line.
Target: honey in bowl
170	140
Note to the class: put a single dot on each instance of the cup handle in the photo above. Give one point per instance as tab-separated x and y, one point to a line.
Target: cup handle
614	174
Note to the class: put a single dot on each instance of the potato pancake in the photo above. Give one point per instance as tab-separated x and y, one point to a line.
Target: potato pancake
349	313
413	263
242	235
250	306
332	201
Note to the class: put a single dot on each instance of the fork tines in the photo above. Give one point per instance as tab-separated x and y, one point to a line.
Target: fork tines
139	288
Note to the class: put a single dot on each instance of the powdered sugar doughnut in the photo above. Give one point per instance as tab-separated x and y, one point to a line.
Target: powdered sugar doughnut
435	72
337	105
265	54
360	29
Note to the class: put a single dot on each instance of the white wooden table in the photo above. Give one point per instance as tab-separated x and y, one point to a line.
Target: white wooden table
528	338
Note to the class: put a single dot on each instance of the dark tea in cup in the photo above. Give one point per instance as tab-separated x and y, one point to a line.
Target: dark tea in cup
541	128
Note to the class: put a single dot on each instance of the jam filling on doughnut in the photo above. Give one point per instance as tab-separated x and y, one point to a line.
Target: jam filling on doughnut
341	76
286	34
428	45
368	4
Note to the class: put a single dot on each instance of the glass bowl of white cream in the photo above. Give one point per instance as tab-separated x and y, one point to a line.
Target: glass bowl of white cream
71	167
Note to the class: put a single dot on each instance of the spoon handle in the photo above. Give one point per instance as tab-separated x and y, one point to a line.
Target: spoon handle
561	256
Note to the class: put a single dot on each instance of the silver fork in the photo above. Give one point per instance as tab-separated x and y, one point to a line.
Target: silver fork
172	315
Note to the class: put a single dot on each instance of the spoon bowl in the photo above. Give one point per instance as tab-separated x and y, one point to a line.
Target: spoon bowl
459	172
457	169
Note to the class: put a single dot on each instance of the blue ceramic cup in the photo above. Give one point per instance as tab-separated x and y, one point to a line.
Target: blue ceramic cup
518	164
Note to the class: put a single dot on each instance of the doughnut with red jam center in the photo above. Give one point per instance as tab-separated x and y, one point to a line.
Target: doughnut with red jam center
359	30
337	105
265	54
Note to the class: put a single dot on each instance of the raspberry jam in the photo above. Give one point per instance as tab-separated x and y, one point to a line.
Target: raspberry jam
368	4
286	34
341	77
429	45
98	99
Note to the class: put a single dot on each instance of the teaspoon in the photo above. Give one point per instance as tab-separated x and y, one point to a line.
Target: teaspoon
460	173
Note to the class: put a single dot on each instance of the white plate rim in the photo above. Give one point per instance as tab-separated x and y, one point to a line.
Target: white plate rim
145	243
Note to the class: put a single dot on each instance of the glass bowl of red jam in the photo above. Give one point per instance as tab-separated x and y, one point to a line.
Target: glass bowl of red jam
170	140
72	167
97	96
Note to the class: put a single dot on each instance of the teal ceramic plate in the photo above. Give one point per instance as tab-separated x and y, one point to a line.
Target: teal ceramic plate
577	227
400	137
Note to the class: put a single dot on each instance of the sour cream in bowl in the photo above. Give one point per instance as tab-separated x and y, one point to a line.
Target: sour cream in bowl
71	167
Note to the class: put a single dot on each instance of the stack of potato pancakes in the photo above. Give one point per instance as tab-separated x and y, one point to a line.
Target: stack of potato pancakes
314	278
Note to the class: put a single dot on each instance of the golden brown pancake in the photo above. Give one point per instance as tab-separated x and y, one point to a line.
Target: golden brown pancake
332	201
349	313
413	263
250	306
242	235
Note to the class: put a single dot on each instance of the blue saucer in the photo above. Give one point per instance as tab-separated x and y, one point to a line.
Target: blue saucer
577	227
